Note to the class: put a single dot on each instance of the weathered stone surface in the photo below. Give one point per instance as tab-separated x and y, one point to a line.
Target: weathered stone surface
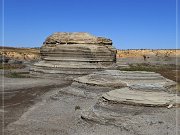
128	108
74	54
145	98
76	38
97	83
143	94
135	79
83	90
101	80
135	119
138	105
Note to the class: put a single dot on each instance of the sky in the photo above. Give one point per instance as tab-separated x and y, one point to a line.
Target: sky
131	24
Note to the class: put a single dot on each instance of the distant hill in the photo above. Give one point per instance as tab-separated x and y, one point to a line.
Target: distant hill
148	53
20	53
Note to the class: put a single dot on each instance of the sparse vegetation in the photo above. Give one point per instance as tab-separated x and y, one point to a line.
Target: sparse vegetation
77	107
7	66
150	68
178	86
16	75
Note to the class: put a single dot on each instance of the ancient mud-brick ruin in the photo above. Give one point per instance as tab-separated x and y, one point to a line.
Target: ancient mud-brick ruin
74	54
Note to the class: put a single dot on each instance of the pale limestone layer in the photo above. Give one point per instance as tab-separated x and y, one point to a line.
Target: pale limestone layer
134	97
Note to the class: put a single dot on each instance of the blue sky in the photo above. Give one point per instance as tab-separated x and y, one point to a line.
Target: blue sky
131	24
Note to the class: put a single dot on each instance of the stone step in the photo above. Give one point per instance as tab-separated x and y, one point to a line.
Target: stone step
77	54
144	98
70	65
112	76
77	59
101	81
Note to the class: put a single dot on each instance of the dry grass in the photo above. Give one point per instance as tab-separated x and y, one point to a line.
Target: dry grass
17	75
11	66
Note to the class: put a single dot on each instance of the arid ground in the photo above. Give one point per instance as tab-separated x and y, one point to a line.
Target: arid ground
31	108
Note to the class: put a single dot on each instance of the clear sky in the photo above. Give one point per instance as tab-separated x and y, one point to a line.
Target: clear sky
131	24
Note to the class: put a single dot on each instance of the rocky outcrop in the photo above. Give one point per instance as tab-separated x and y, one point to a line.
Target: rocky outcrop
129	100
97	83
74	54
137	91
76	38
124	93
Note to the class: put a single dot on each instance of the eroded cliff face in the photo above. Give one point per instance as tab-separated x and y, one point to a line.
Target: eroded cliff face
22	54
148	53
160	57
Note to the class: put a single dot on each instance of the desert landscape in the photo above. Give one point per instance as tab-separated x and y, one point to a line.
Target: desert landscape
89	67
79	84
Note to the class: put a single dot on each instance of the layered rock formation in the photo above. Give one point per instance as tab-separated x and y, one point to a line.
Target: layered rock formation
129	100
97	83
124	96
74	54
130	94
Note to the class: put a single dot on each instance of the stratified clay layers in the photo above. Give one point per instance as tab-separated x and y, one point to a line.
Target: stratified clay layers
74	54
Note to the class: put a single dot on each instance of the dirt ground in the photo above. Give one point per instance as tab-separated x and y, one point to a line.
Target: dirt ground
62	116
20	94
31	109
